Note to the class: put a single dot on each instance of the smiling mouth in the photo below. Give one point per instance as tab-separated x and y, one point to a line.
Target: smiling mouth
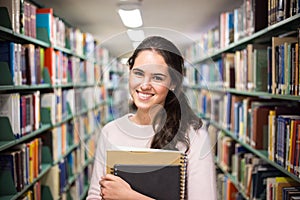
143	95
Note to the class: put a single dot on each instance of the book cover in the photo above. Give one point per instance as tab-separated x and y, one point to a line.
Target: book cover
292	145
49	64
231	191
260	69
259	175
10	108
156	181
297	152
7	55
45	19
52	180
148	157
283	182
258	16
276	57
284	125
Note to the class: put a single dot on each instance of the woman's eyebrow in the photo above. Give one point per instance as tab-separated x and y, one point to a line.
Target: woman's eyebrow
159	74
137	69
153	74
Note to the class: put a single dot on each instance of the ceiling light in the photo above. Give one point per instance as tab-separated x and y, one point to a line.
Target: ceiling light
131	18
135	35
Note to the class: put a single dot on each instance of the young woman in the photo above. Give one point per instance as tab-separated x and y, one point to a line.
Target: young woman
163	120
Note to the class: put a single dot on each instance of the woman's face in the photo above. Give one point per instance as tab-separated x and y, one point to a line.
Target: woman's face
149	80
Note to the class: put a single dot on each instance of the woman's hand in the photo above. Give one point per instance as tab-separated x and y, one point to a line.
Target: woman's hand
115	188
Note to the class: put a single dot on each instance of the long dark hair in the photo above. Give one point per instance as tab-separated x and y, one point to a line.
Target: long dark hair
179	115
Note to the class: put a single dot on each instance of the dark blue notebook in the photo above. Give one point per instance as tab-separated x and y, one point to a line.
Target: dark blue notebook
161	182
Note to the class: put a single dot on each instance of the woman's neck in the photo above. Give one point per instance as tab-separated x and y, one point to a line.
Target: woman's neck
141	118
145	117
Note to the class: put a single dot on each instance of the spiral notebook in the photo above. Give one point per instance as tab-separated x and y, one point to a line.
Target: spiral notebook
160	174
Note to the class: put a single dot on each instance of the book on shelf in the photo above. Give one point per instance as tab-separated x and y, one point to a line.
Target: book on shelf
286	145
225	151
52	180
52	139
30	64
21	164
45	20
48	101
258	16
259	123
13	9
238	155
229	71
281	64
37	64
260	173
10	53
63	174
272	128
260	69
245	134
9	164
231	190
290	192
10	108
148	166
236	103
27	113
277	187
49	64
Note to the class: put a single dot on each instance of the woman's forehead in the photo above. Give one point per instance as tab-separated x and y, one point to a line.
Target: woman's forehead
151	68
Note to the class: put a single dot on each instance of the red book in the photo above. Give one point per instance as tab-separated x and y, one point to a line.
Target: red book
49	64
231	191
297	172
45	10
295	153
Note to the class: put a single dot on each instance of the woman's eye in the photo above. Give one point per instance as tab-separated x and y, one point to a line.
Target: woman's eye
158	78
137	73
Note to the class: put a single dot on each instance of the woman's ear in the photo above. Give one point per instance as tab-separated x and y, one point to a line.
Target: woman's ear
172	87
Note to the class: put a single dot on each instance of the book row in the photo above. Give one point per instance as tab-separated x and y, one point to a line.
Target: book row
27	112
62	138
243	21
28	64
281	188
247	174
28	19
52	185
263	124
267	68
23	164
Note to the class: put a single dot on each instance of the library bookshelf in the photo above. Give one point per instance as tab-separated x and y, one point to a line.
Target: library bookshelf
246	89
53	103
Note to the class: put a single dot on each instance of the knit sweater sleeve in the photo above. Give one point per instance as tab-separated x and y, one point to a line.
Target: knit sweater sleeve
201	178
98	168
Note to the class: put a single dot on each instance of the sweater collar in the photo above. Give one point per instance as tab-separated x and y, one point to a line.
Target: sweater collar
132	129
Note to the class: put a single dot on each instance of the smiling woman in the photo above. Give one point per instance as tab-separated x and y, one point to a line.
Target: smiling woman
163	120
149	81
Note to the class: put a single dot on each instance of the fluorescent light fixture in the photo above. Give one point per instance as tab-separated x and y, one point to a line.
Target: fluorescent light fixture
136	35
131	18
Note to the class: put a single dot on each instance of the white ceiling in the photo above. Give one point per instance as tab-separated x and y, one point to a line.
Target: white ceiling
181	21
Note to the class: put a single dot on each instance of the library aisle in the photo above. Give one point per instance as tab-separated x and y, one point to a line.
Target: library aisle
59	86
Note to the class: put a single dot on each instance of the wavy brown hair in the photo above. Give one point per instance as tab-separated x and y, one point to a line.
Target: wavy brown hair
179	115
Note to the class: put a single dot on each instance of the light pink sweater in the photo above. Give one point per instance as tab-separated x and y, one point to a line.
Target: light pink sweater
123	132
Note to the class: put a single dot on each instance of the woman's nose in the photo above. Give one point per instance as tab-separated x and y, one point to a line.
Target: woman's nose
146	84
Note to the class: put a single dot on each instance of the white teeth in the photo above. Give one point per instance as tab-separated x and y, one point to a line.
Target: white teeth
144	96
